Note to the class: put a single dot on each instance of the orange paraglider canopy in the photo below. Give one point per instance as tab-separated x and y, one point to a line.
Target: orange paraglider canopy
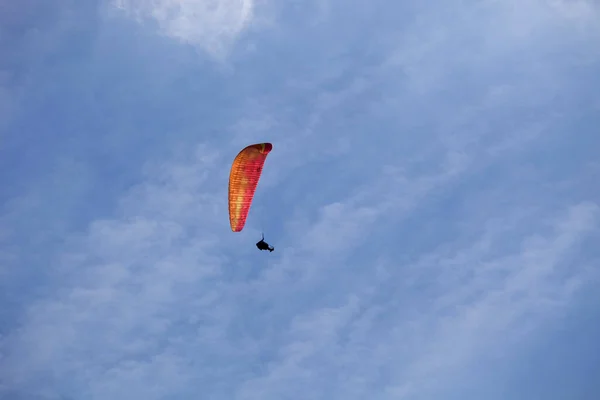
243	179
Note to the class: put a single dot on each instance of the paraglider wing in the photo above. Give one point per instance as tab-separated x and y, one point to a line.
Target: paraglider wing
243	179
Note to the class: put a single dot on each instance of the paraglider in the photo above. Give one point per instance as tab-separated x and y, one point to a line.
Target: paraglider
262	245
243	180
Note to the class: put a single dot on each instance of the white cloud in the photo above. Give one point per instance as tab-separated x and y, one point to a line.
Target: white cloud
212	25
118	283
485	306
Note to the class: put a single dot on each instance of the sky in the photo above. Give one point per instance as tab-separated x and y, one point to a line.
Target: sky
432	197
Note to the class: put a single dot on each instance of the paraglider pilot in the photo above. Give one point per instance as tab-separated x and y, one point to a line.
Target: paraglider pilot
262	245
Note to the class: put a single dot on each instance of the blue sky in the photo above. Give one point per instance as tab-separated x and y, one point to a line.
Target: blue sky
432	196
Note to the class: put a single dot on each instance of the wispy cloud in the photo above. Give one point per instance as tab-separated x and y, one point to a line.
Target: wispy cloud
212	25
432	206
